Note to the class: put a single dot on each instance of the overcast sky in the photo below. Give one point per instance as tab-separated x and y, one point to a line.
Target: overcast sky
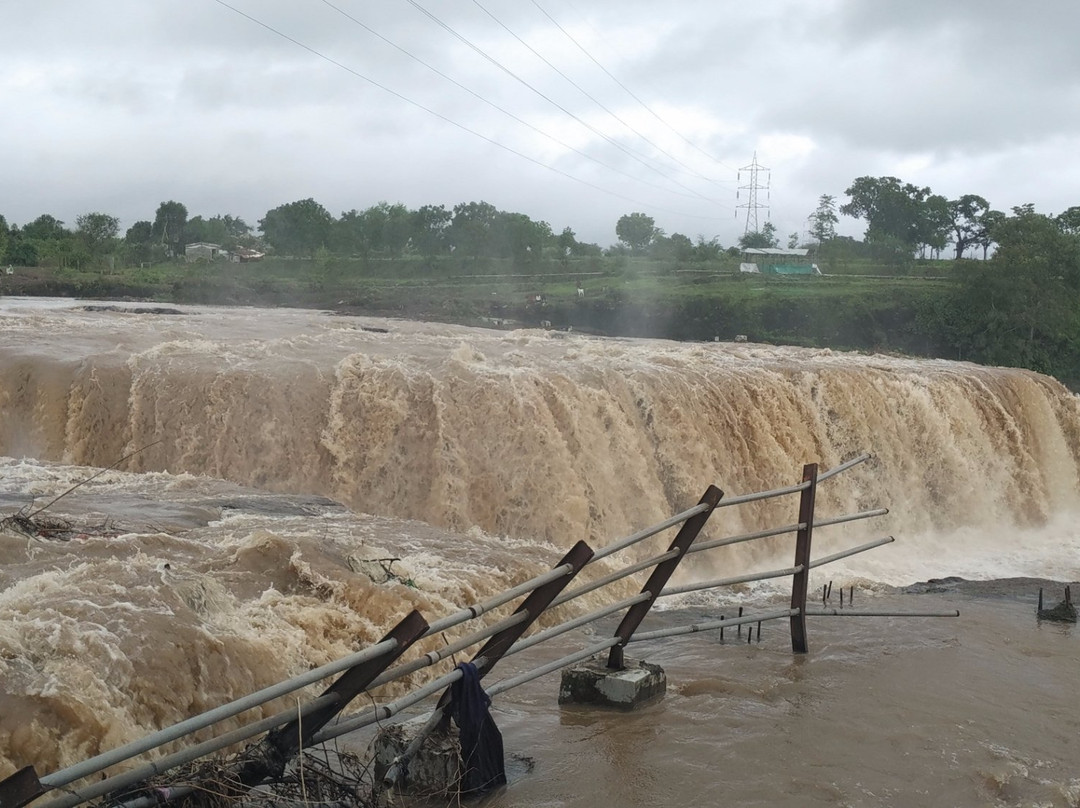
570	111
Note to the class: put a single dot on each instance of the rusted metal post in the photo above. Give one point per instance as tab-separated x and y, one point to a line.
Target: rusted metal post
660	575
21	788
267	759
800	581
494	650
534	605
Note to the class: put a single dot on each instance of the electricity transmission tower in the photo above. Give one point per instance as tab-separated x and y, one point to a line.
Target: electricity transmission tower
752	205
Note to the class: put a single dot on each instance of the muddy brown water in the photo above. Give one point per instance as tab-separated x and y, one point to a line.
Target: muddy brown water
216	561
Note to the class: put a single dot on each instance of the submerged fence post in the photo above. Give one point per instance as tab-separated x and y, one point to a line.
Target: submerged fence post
800	581
660	574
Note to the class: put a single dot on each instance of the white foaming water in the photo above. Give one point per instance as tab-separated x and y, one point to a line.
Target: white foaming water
481	456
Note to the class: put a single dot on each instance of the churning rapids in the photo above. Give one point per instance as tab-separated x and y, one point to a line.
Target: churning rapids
221	561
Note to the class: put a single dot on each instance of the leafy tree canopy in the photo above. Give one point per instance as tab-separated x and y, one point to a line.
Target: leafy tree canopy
297	228
760	239
824	219
636	230
168	227
97	230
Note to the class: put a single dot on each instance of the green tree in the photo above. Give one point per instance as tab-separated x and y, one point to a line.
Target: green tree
1069	220
168	227
139	243
965	216
471	228
760	239
98	232
933	222
297	228
823	220
682	247
636	230
989	222
429	226
710	250
45	228
567	243
900	217
397	228
516	236
227	231
20	251
1019	307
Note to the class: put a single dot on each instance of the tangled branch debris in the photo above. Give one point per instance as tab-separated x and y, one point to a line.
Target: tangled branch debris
319	779
31	523
55	529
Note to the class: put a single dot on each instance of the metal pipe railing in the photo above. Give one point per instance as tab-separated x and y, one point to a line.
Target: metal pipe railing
793	489
618	575
735	579
74	797
562	662
641	535
854	613
844	466
385	711
570	625
470	612
713	625
436	656
862	548
177	731
697	547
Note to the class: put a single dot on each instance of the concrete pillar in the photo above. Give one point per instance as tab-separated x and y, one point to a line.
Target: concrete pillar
436	768
593	682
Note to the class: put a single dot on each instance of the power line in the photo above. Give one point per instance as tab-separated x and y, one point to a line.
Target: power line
586	93
629	152
497	107
444	118
631	93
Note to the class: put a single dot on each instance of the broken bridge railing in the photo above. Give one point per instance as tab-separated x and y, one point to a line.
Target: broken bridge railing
288	732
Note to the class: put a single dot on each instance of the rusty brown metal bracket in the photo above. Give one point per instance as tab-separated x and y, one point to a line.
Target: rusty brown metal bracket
534	605
800	581
20	788
267	759
660	575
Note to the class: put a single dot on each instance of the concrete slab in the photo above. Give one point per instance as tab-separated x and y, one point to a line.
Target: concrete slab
593	682
436	768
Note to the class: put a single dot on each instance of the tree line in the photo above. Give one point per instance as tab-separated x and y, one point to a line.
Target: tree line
903	221
301	229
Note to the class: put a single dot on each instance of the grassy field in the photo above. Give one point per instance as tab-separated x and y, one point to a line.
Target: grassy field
621	296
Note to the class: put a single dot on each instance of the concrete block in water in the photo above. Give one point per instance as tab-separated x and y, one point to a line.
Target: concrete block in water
436	769
593	682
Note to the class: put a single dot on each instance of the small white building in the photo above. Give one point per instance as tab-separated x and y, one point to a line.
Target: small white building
202	251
